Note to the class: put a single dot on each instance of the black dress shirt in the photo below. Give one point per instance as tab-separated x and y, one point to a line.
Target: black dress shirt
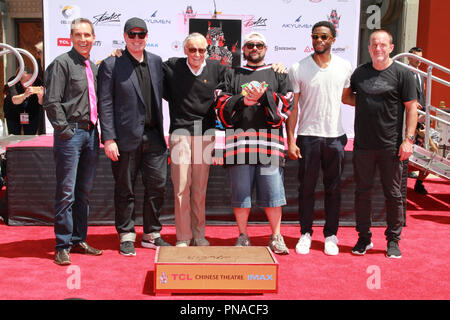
66	98
143	75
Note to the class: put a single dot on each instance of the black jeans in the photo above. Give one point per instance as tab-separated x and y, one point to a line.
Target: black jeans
390	170
151	160
328	154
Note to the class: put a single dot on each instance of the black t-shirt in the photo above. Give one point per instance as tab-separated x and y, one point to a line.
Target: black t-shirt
380	97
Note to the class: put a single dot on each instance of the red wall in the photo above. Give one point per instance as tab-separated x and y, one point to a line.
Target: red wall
433	36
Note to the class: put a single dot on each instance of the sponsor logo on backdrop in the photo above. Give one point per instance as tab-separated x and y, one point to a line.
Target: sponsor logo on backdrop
297	24
106	19
176	45
256	23
118	44
279	48
339	49
69	13
154	19
335	19
309	49
97	43
64	42
315	1
189	13
152	45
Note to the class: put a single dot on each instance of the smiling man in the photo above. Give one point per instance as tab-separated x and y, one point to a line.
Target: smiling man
189	85
71	105
318	82
130	107
253	103
383	90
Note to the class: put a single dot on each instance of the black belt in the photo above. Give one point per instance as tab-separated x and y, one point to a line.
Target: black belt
82	125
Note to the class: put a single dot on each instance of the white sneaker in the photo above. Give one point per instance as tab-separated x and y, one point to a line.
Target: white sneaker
331	247
183	243
303	244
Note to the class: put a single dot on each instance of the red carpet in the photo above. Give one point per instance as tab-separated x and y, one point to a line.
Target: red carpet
28	272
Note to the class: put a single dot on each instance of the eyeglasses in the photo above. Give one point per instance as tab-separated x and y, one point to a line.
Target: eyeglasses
323	36
251	45
133	35
194	50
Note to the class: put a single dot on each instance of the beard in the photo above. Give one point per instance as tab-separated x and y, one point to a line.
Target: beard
325	49
254	59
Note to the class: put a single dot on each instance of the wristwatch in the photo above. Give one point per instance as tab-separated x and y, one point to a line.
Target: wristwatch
410	138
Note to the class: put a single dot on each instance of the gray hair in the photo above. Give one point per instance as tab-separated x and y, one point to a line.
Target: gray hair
79	21
193	36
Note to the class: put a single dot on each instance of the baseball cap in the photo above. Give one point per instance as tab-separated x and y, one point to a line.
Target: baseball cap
255	36
135	23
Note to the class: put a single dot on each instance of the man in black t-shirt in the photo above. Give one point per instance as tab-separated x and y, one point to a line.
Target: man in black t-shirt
381	90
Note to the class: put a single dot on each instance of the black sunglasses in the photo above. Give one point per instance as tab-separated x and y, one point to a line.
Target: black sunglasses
194	50
251	45
323	36
133	35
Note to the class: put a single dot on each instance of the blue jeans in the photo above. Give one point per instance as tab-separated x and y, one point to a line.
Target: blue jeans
317	153
76	161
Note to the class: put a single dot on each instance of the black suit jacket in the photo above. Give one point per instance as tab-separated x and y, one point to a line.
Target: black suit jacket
421	90
420	86
120	102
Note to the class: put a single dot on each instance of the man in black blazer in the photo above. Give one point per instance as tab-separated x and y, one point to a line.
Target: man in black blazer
130	91
420	80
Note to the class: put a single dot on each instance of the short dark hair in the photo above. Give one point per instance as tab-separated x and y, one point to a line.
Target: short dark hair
415	49
326	24
81	20
391	38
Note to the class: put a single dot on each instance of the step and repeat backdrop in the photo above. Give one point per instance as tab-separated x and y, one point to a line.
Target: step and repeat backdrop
287	25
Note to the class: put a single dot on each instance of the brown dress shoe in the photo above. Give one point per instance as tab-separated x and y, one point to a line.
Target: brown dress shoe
83	247
62	257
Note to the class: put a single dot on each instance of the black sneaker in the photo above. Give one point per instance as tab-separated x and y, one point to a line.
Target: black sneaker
420	188
362	246
154	243
127	248
393	250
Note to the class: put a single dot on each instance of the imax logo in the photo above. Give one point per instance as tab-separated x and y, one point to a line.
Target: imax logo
260	277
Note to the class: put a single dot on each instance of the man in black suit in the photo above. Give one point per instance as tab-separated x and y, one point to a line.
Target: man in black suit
420	87
130	108
420	80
